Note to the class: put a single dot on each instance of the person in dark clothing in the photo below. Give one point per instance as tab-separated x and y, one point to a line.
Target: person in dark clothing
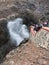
37	27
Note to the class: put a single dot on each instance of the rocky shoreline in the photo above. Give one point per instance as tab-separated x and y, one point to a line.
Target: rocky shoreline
33	9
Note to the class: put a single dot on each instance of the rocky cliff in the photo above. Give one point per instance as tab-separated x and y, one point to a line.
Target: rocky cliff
35	10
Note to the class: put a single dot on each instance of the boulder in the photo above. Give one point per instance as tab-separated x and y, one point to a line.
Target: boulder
41	39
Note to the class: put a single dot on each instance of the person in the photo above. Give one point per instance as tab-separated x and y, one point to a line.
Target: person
37	28
45	28
34	29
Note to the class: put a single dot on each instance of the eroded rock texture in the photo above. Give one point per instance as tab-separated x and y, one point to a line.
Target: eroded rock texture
33	10
41	39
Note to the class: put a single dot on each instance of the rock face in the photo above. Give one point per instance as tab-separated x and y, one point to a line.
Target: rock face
33	10
3	33
41	38
27	54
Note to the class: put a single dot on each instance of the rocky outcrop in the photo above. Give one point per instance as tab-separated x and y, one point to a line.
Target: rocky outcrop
34	10
41	39
27	54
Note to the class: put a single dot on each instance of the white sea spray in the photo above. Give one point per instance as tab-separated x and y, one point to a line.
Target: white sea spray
18	31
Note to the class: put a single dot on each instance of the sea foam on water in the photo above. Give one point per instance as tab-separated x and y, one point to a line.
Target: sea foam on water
18	31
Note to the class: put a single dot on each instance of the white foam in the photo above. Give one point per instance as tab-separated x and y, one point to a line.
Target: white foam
17	31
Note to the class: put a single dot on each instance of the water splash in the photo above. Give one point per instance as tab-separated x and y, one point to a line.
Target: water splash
18	31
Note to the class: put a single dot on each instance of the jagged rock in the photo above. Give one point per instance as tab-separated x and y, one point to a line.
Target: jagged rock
26	55
3	32
41	38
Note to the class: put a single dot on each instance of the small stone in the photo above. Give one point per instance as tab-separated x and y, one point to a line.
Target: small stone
11	62
42	61
8	56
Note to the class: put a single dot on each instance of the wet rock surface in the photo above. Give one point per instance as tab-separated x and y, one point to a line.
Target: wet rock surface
28	53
